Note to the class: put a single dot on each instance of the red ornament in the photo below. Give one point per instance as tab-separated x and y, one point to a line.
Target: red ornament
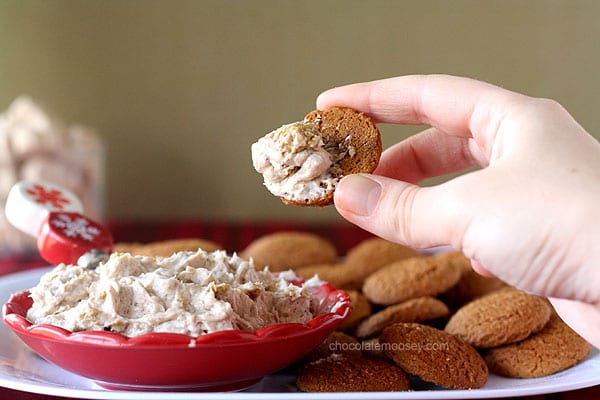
66	236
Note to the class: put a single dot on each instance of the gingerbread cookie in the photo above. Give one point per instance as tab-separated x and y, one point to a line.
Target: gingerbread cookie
166	247
456	259
434	356
289	250
413	310
341	374
372	348
501	317
333	273
336	343
303	162
471	285
371	255
555	348
410	278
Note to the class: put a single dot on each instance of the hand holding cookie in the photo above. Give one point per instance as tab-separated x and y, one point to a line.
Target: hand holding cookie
525	216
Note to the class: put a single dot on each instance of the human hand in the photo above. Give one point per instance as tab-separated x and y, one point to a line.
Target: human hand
530	216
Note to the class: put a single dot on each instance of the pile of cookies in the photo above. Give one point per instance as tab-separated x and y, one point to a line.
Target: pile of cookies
430	318
417	320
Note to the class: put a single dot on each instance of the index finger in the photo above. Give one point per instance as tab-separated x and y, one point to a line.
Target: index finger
456	105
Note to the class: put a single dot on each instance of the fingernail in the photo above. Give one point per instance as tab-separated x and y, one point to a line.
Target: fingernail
358	194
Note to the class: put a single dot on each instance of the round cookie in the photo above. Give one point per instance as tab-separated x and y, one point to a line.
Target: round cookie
165	248
471	285
409	278
336	343
126	247
344	127
434	356
553	349
372	348
455	258
290	250
333	273
351	138
340	374
413	310
361	309
501	317
302	162
371	255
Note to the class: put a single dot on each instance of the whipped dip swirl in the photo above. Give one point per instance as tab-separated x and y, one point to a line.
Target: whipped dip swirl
191	293
294	162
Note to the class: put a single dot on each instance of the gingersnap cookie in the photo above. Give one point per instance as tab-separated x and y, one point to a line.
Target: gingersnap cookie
471	285
333	273
337	274
371	255
434	356
303	162
501	317
165	248
126	247
414	310
289	250
336	343
455	258
361	309
555	348
341	374
371	348
408	279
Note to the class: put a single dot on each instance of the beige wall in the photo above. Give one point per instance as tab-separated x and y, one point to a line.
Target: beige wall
180	89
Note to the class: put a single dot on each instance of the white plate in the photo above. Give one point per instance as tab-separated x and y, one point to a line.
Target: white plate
20	369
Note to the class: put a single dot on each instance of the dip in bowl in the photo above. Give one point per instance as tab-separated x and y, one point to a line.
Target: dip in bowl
192	321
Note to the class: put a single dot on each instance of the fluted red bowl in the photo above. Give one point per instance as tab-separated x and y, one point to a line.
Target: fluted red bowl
218	361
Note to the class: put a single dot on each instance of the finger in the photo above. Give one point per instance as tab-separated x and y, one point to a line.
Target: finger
427	154
481	270
455	105
584	318
402	212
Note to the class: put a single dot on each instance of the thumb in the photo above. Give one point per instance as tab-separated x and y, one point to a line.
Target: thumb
415	216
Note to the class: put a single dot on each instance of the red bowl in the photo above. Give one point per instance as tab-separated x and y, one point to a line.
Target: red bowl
218	361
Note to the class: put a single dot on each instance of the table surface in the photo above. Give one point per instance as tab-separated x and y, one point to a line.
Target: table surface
232	237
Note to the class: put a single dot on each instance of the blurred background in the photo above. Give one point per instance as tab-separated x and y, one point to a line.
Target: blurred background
177	91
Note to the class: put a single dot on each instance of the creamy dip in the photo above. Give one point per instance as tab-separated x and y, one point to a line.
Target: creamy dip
191	293
295	163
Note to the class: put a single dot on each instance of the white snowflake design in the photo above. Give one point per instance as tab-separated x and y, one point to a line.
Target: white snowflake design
76	227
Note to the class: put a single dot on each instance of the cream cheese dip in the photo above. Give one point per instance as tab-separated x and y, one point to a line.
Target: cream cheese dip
191	293
295	162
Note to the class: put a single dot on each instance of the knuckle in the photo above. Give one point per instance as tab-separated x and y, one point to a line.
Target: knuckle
546	107
402	207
